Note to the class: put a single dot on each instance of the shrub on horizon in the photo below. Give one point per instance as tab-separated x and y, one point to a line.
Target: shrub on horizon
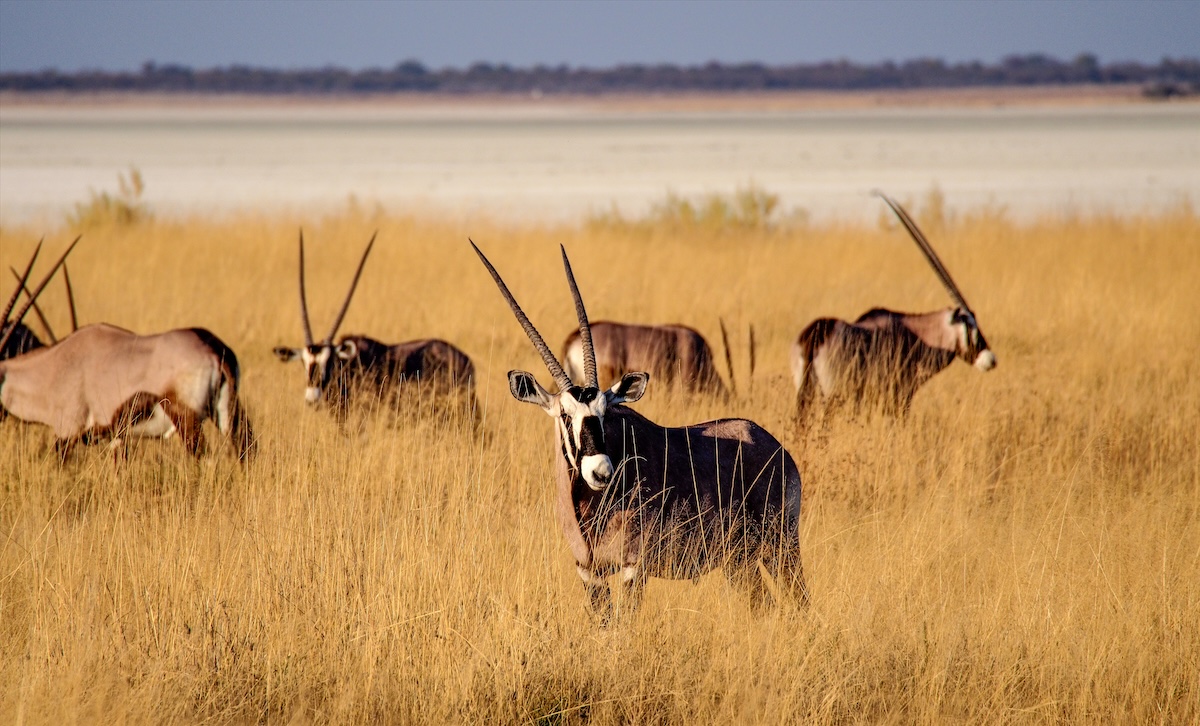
747	209
123	209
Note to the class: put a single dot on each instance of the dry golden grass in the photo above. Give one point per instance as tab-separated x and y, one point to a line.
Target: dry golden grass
1024	548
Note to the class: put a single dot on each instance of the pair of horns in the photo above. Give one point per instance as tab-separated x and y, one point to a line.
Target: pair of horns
22	285
585	330
927	249
37	309
337	321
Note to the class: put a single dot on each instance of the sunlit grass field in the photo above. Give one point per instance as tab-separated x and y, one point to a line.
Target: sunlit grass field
1024	548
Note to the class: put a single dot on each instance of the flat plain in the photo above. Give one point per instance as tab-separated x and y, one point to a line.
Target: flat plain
1023	548
521	159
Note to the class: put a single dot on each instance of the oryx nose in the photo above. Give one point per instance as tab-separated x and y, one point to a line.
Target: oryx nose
985	361
597	471
312	394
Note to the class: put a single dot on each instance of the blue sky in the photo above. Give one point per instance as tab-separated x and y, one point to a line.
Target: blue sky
122	34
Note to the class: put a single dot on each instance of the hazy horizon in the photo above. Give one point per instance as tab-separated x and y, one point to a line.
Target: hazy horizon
121	35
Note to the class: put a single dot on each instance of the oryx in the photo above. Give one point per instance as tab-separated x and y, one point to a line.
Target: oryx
884	357
102	381
644	500
359	369
670	353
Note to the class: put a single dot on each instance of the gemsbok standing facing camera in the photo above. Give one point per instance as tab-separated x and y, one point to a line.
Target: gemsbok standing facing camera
104	382
644	500
674	354
361	370
882	358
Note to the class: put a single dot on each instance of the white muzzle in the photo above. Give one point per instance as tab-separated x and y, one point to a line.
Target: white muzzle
986	360
597	471
312	395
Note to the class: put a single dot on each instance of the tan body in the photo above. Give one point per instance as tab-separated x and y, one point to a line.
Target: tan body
102	380
673	354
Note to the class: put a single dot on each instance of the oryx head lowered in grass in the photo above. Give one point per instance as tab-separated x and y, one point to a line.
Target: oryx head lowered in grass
321	360
23	339
644	500
15	337
884	356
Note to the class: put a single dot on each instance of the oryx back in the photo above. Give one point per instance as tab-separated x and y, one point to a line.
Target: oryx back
428	368
674	354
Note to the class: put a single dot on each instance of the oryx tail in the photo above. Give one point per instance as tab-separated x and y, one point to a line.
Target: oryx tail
226	407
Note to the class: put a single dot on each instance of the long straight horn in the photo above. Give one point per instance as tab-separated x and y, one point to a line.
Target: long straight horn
750	377
37	309
728	356
21	285
36	291
337	322
70	299
556	370
934	261
308	339
585	328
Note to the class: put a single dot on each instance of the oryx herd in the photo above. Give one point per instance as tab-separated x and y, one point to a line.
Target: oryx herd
634	498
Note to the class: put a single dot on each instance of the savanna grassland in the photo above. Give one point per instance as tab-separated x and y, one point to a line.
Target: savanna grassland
1024	548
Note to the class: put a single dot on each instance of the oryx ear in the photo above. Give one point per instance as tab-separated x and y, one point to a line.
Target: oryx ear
526	389
347	349
285	354
630	388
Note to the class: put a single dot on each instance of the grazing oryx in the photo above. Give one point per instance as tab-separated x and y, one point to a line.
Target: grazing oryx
105	382
363	370
672	353
644	500
884	357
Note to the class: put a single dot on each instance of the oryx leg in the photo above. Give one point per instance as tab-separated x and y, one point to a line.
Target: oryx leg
633	585
188	423
64	447
783	565
132	419
599	594
806	399
744	576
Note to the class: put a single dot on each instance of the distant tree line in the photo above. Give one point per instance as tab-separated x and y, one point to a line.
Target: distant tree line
1168	77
